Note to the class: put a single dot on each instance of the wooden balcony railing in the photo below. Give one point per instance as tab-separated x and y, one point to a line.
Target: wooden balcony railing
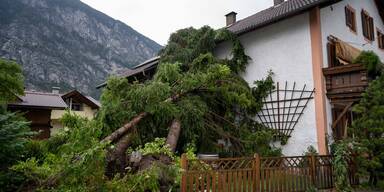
346	82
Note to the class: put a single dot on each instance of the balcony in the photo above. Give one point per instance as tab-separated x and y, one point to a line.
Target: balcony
346	82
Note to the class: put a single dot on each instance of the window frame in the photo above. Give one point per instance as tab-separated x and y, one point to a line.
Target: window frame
368	26
77	107
350	20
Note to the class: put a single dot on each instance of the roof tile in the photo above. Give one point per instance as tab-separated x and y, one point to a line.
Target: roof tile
273	14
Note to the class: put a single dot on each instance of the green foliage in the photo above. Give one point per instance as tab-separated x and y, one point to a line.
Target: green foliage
11	81
371	62
73	160
186	45
156	147
259	142
152	179
147	180
368	129
212	96
14	134
342	157
204	93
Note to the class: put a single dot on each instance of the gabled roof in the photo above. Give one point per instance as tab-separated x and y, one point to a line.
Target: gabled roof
82	98
141	68
33	99
276	13
146	65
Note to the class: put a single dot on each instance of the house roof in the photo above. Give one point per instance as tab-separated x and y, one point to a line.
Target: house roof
143	67
82	98
276	13
149	64
380	6
94	101
40	100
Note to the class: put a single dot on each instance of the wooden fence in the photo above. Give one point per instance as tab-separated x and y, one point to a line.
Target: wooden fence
259	174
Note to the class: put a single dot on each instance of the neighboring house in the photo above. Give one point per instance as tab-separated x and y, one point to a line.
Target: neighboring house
140	72
37	108
77	103
309	45
44	110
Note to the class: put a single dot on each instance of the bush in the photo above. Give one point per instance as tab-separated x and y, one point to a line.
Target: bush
371	62
342	157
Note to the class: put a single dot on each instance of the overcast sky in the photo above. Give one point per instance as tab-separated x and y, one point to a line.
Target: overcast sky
157	19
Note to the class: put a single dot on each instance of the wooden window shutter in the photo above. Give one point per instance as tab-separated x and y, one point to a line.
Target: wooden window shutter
347	17
371	29
350	18
380	39
368	26
364	24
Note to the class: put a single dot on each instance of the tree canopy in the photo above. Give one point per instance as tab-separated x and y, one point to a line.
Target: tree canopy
11	81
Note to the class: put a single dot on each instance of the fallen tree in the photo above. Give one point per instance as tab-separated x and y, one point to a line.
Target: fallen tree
194	99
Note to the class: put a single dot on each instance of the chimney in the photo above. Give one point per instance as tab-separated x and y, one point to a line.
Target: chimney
231	18
277	2
55	90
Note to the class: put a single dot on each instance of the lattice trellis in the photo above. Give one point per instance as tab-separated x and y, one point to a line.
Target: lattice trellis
283	108
284	162
221	164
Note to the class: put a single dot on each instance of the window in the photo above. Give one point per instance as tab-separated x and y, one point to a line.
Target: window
77	107
380	39
350	18
368	28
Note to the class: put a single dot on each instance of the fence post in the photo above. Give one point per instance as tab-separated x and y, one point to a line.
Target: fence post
312	165
256	168
184	167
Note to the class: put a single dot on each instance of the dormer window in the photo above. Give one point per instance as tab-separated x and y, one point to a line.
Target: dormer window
350	18
368	26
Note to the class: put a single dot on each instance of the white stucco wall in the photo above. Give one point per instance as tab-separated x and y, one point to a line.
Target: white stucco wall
284	48
333	23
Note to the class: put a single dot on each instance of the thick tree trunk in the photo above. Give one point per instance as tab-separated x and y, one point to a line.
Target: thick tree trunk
116	158
173	135
123	130
122	139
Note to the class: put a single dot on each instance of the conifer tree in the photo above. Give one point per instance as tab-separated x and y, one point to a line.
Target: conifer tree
368	129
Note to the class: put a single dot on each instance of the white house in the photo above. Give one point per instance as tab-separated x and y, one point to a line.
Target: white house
309	43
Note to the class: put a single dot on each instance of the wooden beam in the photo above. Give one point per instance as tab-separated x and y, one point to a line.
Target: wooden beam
345	110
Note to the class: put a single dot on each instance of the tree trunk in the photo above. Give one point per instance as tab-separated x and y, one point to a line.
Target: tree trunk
116	158
123	130
173	135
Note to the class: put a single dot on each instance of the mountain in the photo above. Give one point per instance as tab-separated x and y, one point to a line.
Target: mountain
68	44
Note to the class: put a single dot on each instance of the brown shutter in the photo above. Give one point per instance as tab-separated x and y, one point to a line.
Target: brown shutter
380	39
363	22
372	29
347	16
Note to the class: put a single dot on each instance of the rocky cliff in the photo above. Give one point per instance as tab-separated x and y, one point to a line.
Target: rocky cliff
68	44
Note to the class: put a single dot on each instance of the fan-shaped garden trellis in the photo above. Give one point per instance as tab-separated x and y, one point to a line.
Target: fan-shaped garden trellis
283	108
